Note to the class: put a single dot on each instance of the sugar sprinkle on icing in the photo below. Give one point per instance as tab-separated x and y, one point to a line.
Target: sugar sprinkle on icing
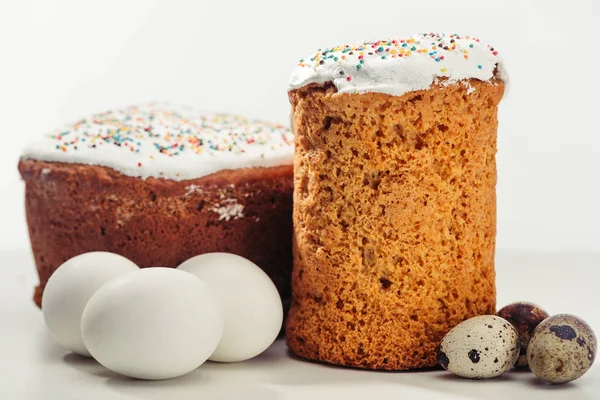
398	66
166	141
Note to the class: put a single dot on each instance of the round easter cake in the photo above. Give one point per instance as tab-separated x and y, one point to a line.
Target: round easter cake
158	184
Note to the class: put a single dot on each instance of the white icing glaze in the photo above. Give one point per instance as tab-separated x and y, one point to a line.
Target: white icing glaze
166	141
399	66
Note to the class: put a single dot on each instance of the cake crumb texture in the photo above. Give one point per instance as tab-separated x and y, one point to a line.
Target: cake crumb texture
394	221
73	209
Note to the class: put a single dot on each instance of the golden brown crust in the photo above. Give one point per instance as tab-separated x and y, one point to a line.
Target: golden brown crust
72	209
394	221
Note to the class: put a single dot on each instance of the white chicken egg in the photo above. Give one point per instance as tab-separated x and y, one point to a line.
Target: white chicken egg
156	323
69	289
251	305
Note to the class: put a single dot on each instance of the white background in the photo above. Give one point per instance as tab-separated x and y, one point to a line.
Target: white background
60	60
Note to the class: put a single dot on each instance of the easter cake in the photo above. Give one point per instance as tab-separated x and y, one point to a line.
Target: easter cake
159	184
394	197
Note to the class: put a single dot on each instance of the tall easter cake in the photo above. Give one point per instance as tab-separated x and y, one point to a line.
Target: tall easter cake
394	197
159	184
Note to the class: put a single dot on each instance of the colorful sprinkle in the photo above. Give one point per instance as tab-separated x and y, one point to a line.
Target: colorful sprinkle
159	130
436	46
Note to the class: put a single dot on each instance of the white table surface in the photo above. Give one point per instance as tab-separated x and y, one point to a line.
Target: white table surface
32	366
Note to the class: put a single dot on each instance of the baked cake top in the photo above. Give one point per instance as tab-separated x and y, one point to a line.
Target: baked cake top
399	66
166	141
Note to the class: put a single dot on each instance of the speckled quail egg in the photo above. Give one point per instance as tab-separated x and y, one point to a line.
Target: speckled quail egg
524	317
562	349
480	347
